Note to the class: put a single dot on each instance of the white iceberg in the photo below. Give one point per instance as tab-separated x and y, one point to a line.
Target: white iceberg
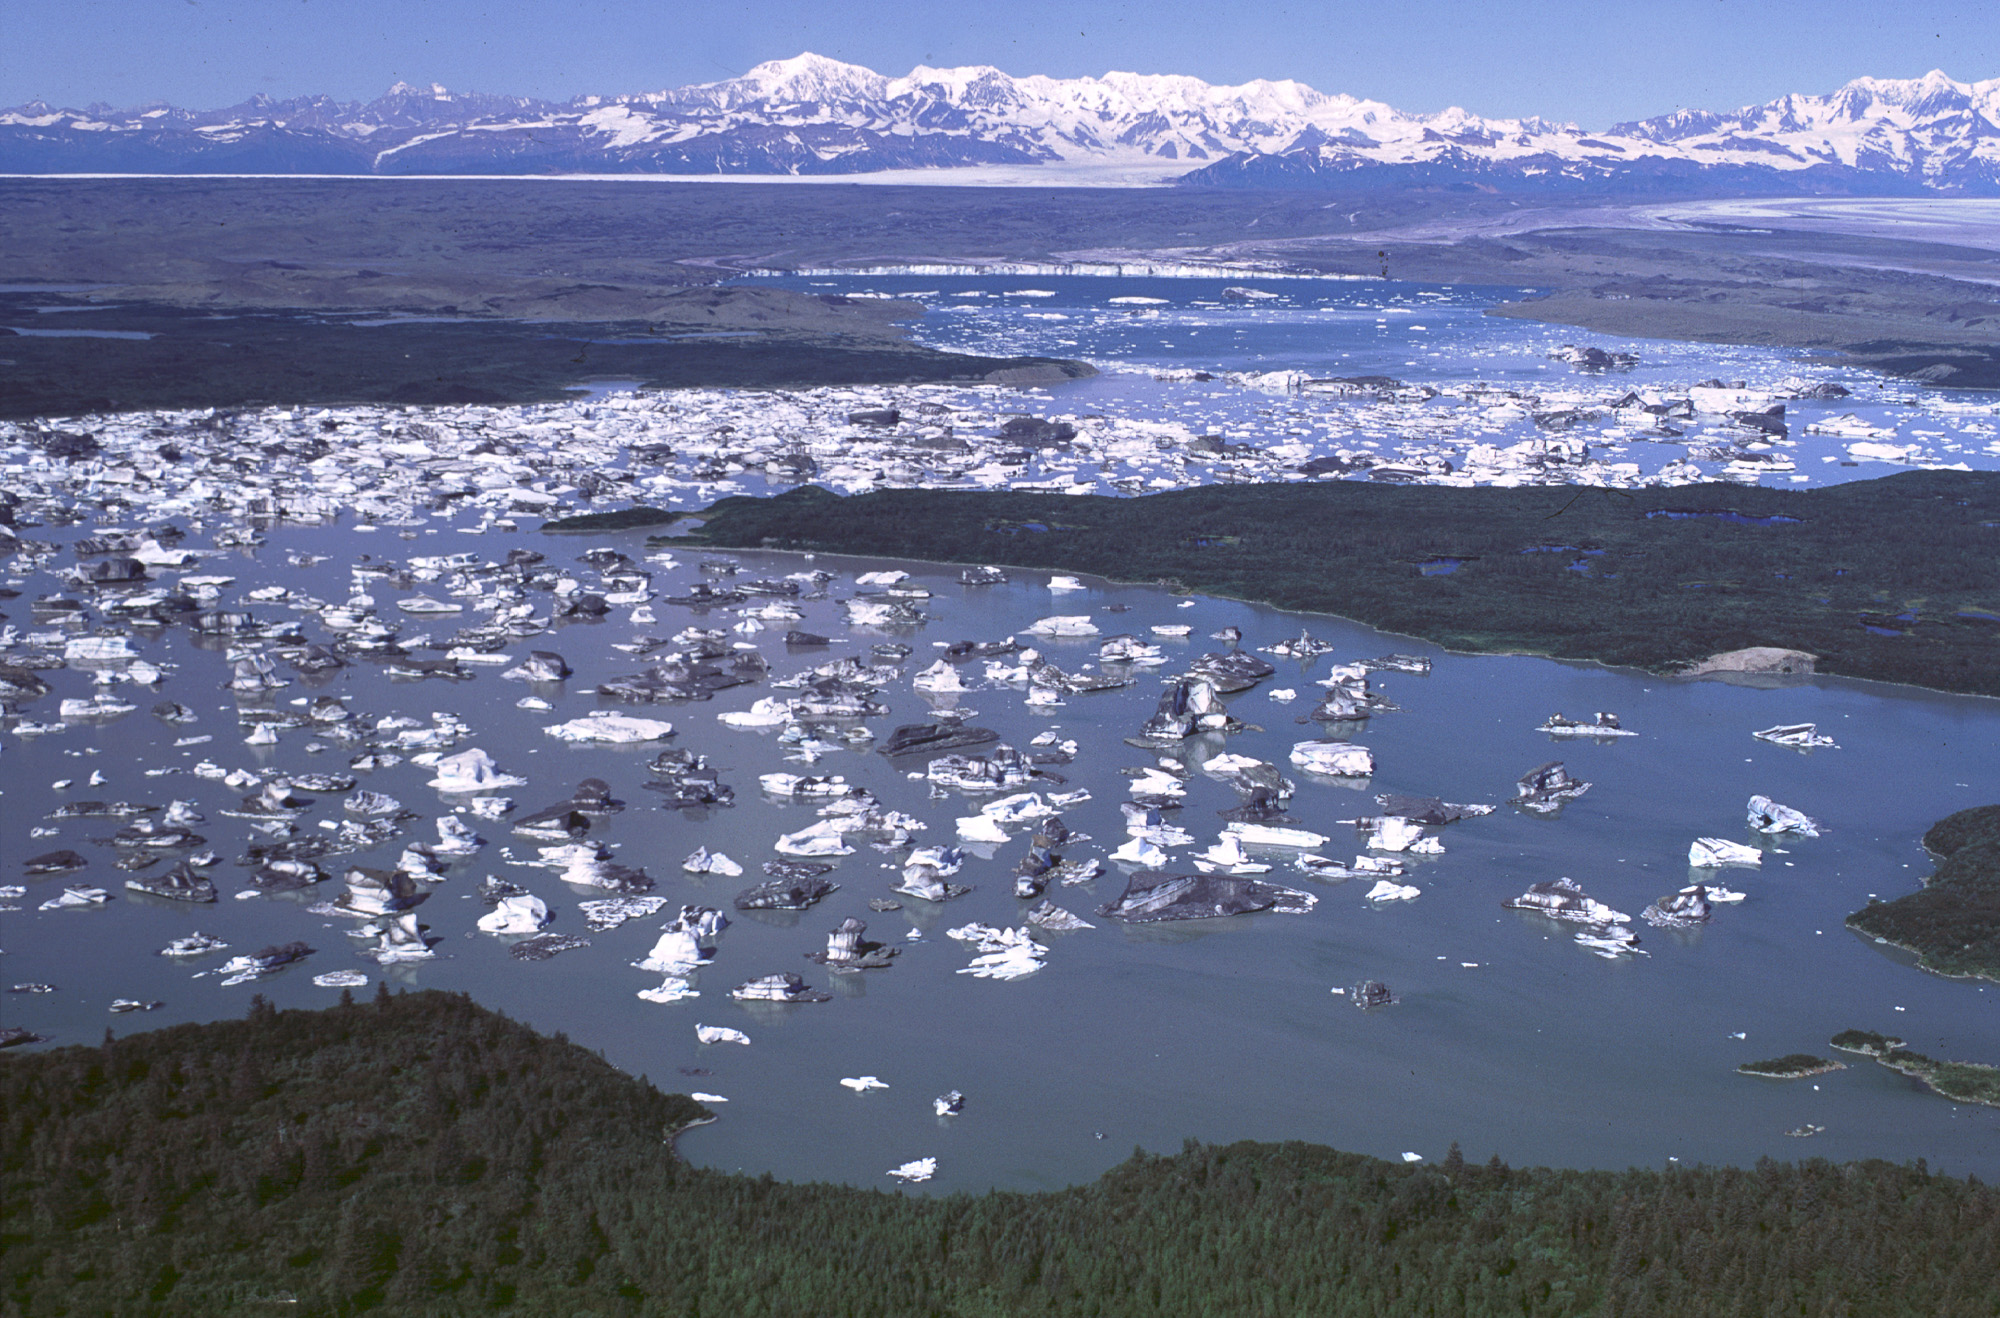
720	1034
472	771
1270	835
610	726
1063	625
1388	890
1336	759
1715	852
524	914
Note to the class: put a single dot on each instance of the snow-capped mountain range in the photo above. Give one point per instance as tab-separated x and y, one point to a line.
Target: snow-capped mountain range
815	116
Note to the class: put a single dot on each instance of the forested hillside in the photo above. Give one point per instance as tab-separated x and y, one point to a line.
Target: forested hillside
422	1155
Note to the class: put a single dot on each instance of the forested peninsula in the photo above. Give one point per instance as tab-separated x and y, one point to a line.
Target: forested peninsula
419	1154
1896	579
1952	923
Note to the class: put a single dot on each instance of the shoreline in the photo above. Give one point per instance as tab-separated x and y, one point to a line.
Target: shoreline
823	522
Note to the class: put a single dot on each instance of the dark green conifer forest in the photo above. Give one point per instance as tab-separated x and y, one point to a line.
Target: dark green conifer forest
1896	579
422	1155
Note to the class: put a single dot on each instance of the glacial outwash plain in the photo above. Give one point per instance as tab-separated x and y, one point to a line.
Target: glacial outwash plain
839	742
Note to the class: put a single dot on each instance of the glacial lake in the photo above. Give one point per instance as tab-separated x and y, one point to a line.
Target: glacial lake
1509	1037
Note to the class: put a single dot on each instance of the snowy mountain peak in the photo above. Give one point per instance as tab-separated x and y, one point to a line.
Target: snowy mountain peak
812	115
808	79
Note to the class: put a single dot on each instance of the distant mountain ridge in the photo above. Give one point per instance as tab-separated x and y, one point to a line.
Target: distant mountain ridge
812	116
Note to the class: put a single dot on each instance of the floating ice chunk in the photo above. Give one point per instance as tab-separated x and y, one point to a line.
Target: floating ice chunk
524	914
1798	736
76	898
720	1034
1271	835
1064	583
822	839
610	726
472	771
1715	852
861	1084
1388	890
1546	787
195	944
1227	856
1564	900
782	987
1063	625
1767	816
1337	759
915	1172
1872	451
1140	852
98	650
769	712
402	940
1173	628
1601	725
607	913
939	677
704	861
1610	943
981	828
1055	919
341	979
677	952
1003	953
673	989
424	604
888	578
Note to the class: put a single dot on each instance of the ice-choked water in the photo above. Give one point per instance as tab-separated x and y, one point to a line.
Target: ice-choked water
1493	378
1508	1036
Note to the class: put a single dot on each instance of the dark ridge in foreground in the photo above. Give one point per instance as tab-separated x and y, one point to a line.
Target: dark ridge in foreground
1895	579
424	1155
1952	923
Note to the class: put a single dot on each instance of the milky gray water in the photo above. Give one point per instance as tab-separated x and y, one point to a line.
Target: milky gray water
1509	1038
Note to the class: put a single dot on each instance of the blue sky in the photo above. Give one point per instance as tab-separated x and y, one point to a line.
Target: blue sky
1590	63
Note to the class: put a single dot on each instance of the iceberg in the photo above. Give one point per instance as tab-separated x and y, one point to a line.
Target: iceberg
1271	835
524	914
610	726
720	1034
1335	759
1767	816
1564	900
1545	788
1601	725
1063	625
1004	954
472	771
1715	852
784	987
1798	736
1388	890
1154	896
